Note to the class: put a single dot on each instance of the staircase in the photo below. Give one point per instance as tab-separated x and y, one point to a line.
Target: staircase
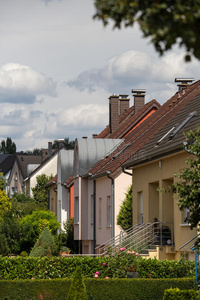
141	238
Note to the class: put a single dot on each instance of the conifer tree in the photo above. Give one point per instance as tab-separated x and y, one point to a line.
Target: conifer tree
77	289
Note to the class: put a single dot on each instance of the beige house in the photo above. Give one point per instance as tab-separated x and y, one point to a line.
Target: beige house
153	167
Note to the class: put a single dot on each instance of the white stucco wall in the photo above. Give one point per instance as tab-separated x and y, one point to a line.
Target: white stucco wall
49	168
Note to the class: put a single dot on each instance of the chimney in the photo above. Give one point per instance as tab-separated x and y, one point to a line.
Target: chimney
139	99
113	112
123	103
183	83
49	149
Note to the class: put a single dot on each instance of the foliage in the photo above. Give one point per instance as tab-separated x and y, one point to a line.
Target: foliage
66	142
40	193
66	237
2	180
77	289
32	226
176	293
57	289
8	146
125	216
62	267
45	245
188	189
166	22
5	203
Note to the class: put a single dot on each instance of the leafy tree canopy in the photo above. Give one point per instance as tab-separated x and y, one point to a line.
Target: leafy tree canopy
40	193
125	216
66	142
166	22
5	203
1	181
8	146
188	188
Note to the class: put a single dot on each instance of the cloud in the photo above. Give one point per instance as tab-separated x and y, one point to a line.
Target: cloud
134	69
22	84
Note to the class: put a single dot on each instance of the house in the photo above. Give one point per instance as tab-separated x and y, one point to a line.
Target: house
14	169
153	164
48	167
99	189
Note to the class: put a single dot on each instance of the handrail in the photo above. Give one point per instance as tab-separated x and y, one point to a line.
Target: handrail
139	237
189	241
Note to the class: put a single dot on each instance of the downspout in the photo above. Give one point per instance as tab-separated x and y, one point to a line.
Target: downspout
112	205
68	200
94	214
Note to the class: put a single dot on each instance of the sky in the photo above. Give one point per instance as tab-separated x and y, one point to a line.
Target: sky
59	66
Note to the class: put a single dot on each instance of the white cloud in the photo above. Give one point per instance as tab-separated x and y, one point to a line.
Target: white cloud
22	84
134	69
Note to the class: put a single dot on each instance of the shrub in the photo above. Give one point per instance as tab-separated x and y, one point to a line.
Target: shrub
174	294
45	244
77	289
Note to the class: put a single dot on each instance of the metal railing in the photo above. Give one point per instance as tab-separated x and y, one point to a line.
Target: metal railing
140	238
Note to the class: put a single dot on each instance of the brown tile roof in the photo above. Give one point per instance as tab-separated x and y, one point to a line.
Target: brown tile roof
52	181
142	134
69	181
134	121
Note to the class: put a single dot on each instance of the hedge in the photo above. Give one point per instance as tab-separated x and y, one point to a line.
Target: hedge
97	289
62	267
175	294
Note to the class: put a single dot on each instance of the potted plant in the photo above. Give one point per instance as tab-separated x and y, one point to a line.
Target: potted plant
65	250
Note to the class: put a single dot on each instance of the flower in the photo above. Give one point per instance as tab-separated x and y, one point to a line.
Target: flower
106	277
33	278
45	271
122	249
137	254
97	272
96	275
104	264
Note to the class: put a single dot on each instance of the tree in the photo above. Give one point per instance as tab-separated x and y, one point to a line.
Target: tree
77	289
40	193
188	189
45	244
5	204
66	142
8	146
2	181
166	22
125	216
32	226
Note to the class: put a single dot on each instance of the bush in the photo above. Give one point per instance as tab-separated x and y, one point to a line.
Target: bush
118	289
174	294
45	244
77	289
60	267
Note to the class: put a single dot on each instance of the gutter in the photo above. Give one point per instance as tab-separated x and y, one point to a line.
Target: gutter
123	170
112	205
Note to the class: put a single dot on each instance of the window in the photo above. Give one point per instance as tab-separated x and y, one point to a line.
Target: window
100	212
140	196
108	211
185	216
76	216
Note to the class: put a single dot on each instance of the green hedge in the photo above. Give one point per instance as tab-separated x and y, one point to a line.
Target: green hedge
62	267
175	294
97	289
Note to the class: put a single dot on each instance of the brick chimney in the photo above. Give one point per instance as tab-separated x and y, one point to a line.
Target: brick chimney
139	99
123	103
113	112
183	83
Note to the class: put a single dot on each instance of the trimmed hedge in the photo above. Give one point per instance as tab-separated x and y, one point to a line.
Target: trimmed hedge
175	294
62	267
97	289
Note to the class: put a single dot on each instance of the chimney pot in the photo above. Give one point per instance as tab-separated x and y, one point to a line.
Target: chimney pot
183	83
123	103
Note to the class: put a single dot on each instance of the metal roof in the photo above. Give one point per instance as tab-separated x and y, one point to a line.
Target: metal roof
89	151
65	164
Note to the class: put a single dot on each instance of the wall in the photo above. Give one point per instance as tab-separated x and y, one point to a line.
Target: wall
49	168
163	205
